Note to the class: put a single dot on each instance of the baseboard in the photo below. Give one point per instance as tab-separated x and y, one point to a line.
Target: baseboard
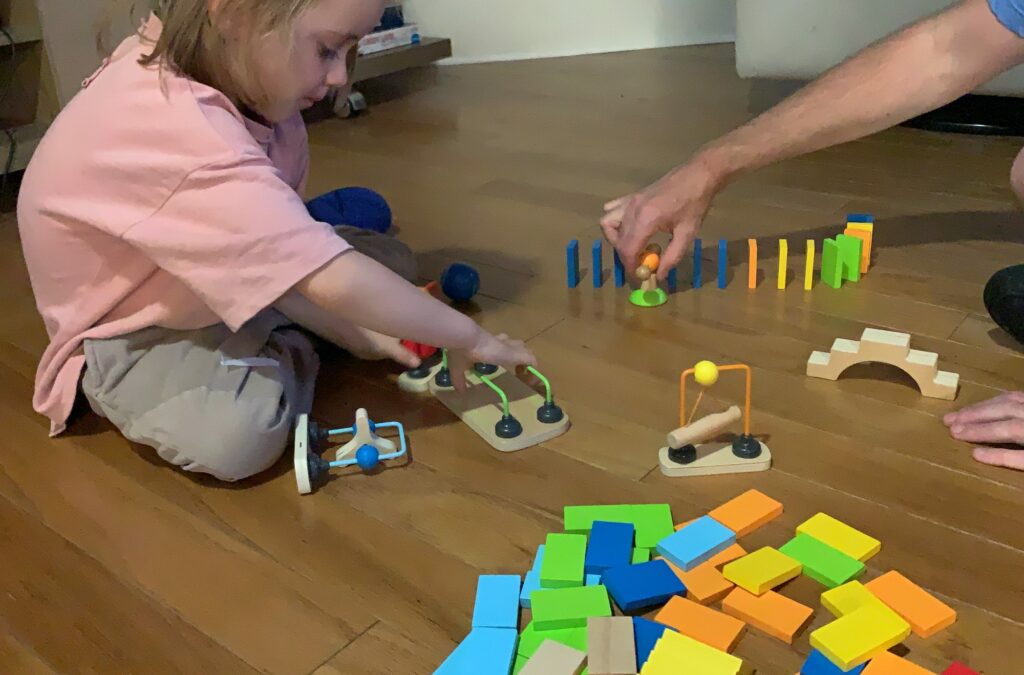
557	54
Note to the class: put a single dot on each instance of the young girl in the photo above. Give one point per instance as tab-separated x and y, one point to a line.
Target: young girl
171	254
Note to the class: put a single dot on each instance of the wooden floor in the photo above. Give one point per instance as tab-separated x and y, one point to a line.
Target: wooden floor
114	563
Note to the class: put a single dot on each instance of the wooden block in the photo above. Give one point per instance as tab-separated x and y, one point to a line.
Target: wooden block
809	266
597	263
783	261
888	663
840	536
865	236
747	512
572	263
554	658
860	635
698	262
696	543
497	601
844	599
714	459
620	271
831	265
850	251
926	614
771	613
762	570
610	646
569	607
480	409
673	650
723	263
752	267
531	639
564	556
701	623
821	562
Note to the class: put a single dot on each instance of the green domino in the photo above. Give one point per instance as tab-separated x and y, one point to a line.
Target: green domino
849	255
519	664
821	562
831	265
653	523
564	557
581	518
641	555
568	607
531	638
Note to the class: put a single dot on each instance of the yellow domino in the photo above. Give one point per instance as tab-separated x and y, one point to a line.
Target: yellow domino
844	599
809	266
762	570
783	259
673	649
860	635
866	227
840	536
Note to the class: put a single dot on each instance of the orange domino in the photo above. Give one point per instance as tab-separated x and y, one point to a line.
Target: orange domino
704	583
734	552
752	272
746	513
865	251
888	663
771	613
925	613
701	623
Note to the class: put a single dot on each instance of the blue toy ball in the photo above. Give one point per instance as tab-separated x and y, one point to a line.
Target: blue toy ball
356	206
367	457
460	282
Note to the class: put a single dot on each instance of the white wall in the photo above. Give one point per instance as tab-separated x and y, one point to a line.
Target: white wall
496	30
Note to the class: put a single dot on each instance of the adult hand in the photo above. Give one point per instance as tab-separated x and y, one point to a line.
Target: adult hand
997	421
676	205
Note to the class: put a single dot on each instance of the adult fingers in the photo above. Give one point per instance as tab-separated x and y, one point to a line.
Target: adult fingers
1004	406
617	203
1000	431
399	354
1011	459
674	252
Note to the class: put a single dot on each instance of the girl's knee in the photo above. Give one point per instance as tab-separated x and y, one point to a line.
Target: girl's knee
1017	176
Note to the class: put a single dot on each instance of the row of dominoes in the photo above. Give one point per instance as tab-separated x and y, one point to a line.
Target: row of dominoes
844	258
579	575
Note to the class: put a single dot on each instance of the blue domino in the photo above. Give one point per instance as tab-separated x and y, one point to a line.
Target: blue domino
818	664
485	651
497	601
697	263
572	263
620	271
723	263
648	584
696	543
610	545
593	580
673	280
860	218
532	580
645	634
598	261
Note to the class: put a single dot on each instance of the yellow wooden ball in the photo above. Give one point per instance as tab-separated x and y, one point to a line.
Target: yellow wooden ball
643	273
705	373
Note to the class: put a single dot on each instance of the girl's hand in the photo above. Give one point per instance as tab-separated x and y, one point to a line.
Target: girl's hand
997	421
499	350
369	345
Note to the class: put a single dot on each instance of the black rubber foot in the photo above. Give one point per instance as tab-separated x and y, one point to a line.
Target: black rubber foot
1004	300
318	469
746	447
485	368
318	437
684	455
419	373
975	114
508	427
549	413
443	378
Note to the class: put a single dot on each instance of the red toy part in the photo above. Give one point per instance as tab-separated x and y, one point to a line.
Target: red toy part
420	350
958	669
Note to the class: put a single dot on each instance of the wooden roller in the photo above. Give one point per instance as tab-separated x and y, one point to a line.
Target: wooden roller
705	428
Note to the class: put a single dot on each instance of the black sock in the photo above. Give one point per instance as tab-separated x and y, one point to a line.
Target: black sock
1004	299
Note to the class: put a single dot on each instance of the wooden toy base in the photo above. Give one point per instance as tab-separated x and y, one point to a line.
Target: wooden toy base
303	481
714	459
480	408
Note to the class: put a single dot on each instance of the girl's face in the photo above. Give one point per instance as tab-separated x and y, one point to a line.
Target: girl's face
324	38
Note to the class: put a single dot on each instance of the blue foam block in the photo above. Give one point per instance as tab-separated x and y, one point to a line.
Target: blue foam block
598	262
610	545
530	584
696	543
593	580
818	664
497	601
697	263
572	263
723	263
485	651
673	280
860	218
539	558
644	585
620	272
645	634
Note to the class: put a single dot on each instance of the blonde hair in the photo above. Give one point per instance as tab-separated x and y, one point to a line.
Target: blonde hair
191	42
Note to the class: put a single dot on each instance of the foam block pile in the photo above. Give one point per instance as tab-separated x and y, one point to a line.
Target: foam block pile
583	581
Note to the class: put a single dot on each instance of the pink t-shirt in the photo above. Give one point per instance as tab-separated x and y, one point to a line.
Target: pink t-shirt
159	206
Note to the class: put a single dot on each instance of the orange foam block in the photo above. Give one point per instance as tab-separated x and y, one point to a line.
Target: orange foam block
888	663
701	623
865	250
704	583
770	613
925	613
746	513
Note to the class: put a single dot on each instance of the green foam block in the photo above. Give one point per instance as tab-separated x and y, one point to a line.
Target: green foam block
821	562
569	607
581	518
653	522
850	250
563	563
641	555
531	638
831	264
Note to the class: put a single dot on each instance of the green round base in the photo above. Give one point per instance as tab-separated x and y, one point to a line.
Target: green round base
654	298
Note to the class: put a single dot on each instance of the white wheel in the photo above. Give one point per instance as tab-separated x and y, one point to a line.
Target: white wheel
301	452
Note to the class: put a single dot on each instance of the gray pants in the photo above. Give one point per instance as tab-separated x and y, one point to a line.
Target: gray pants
185	394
